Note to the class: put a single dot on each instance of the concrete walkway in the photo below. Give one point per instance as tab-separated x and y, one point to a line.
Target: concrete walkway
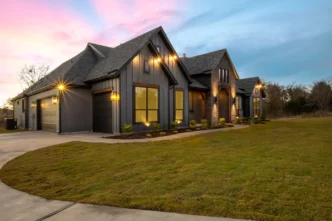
19	206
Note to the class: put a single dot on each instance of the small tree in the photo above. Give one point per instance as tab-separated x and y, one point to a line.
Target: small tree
32	73
321	94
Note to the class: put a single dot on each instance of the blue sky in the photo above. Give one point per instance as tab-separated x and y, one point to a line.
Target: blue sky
277	40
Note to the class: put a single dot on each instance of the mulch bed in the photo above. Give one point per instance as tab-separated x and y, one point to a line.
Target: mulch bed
143	135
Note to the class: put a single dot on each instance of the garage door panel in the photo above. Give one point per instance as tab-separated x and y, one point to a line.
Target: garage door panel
48	115
102	113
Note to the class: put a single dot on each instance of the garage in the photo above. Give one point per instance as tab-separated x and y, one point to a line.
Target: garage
102	113
47	115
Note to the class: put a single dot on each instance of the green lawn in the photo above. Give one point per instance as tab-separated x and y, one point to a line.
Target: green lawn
278	171
3	131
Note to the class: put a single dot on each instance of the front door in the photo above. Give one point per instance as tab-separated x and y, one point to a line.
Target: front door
224	104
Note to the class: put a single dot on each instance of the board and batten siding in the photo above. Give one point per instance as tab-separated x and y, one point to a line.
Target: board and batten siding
115	85
132	74
178	74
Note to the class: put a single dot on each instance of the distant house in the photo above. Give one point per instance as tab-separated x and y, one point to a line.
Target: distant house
138	82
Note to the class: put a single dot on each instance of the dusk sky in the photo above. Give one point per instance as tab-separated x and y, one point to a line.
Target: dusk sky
284	41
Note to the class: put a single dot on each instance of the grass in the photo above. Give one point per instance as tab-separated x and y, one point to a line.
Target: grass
278	171
3	131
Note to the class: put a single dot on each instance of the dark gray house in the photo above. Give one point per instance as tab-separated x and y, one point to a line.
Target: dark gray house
249	97
103	88
212	94
138	82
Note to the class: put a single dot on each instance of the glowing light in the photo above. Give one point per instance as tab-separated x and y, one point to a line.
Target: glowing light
158	60
147	124
115	96
259	86
175	57
61	87
179	122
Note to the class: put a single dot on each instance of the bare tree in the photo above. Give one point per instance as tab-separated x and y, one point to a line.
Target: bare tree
276	97
8	104
32	73
297	91
321	94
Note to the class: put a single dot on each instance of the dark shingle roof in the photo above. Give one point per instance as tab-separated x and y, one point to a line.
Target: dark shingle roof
246	85
202	63
118	56
197	85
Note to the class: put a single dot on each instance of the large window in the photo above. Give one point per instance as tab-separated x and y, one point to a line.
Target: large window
146	104
238	105
191	101
179	105
256	107
223	75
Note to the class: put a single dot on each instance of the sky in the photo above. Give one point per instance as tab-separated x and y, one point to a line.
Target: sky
282	41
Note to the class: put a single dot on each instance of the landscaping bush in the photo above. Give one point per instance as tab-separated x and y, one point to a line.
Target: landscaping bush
127	128
204	123
263	115
155	126
250	121
148	135
239	120
222	122
256	120
192	123
174	125
162	133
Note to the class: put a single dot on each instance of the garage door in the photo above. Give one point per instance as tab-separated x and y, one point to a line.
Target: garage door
48	114
102	113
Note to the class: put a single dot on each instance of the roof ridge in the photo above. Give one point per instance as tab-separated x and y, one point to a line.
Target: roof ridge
206	53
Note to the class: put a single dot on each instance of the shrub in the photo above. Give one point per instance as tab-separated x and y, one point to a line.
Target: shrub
174	125
204	123
175	131
127	128
162	133
250	121
188	130
239	120
148	135
222	122
256	120
155	126
193	123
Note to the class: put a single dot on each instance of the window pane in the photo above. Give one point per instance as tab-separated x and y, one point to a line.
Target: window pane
152	115
140	116
152	98
140	98
178	99
237	102
179	114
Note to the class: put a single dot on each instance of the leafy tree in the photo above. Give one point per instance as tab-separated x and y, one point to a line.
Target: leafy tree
32	73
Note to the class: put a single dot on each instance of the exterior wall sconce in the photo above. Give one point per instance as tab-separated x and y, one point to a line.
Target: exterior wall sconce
158	59
33	104
147	124
215	99
61	87
179	122
55	100
259	86
115	96
175	57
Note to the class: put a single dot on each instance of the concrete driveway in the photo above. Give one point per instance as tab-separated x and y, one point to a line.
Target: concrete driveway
16	205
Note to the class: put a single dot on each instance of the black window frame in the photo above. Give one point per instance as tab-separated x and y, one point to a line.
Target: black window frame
175	109
146	65
147	99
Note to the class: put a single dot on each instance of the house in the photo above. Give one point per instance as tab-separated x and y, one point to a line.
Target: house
143	80
249	97
212	94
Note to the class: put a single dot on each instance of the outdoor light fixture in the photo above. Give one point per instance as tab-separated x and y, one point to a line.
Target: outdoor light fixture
259	85
147	124
179	122
158	59
61	87
55	100
115	96
175	57
33	104
215	99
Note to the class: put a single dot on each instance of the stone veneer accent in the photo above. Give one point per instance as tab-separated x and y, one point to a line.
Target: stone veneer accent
231	86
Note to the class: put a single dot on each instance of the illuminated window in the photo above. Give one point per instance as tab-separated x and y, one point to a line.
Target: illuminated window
179	105
238	104
146	65
191	101
146	104
256	106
